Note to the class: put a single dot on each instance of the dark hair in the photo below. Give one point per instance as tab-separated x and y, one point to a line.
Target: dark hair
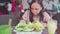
40	14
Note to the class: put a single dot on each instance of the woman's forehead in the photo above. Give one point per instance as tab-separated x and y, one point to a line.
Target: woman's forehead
35	5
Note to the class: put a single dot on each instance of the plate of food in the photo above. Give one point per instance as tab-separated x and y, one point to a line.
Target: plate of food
31	28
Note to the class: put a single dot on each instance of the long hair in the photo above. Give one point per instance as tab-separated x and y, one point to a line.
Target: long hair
41	12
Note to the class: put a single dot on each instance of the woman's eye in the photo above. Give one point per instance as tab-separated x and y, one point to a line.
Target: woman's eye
36	9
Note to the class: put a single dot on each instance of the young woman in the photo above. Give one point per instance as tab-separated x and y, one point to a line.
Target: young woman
36	13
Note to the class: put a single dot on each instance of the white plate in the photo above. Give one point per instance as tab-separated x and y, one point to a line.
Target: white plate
17	32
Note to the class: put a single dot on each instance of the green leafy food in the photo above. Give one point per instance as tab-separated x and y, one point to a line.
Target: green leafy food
26	29
22	26
19	29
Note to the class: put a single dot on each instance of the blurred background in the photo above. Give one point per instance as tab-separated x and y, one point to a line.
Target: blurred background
13	9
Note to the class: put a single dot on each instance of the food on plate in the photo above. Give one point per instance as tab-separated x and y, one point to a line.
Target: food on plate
22	26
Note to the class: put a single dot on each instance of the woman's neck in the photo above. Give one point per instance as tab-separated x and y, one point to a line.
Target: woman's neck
35	16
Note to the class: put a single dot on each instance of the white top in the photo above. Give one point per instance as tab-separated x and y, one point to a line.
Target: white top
9	6
25	4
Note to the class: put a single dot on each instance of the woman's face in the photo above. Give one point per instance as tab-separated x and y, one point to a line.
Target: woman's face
36	8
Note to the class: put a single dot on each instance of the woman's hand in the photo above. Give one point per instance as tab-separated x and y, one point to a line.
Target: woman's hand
22	21
45	24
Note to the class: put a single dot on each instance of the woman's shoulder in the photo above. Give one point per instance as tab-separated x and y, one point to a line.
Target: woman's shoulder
27	12
46	16
45	13
26	15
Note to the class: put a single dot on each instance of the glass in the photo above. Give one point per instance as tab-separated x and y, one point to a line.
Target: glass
52	26
5	29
